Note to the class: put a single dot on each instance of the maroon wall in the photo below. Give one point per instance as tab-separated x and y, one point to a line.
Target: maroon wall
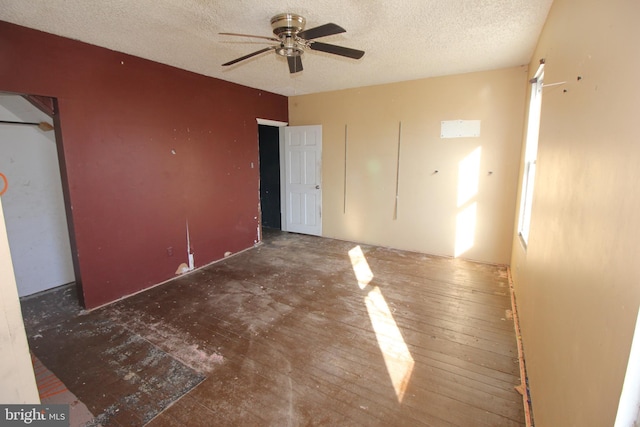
121	119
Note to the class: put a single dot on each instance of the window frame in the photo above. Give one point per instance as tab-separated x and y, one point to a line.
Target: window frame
531	155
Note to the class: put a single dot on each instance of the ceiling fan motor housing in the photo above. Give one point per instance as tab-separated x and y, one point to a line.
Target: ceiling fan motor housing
286	26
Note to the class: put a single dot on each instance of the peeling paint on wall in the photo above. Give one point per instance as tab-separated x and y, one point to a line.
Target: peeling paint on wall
189	250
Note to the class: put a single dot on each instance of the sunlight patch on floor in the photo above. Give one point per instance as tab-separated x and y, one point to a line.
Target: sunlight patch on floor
395	352
360	267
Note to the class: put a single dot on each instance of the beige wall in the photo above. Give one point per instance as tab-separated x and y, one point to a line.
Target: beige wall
17	382
428	203
578	281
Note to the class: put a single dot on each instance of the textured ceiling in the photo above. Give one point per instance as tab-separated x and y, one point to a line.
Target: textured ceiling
403	39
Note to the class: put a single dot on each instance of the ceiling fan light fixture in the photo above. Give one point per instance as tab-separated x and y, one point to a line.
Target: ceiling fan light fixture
289	51
290	47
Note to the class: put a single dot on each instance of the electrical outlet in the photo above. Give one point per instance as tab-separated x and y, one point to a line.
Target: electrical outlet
170	251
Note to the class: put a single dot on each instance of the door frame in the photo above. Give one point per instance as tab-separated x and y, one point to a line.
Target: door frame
48	106
283	199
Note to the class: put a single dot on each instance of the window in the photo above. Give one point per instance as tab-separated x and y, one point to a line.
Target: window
531	154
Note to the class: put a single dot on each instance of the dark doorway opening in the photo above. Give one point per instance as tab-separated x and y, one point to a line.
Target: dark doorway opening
269	146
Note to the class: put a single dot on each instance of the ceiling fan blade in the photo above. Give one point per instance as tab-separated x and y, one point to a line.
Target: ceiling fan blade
295	64
321	31
337	50
251	35
242	58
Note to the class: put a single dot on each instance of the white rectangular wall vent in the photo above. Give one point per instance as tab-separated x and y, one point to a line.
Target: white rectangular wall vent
460	129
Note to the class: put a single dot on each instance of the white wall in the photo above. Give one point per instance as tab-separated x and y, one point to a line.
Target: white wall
17	381
33	204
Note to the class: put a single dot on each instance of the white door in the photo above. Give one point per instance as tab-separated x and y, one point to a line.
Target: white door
302	189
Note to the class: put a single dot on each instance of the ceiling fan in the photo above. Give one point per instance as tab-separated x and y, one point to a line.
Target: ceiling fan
293	39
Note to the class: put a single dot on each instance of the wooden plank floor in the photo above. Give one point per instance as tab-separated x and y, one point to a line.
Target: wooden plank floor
285	335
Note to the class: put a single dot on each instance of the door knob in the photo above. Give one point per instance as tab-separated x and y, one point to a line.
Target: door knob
317	187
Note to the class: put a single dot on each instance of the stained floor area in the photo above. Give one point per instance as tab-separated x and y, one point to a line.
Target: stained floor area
299	331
